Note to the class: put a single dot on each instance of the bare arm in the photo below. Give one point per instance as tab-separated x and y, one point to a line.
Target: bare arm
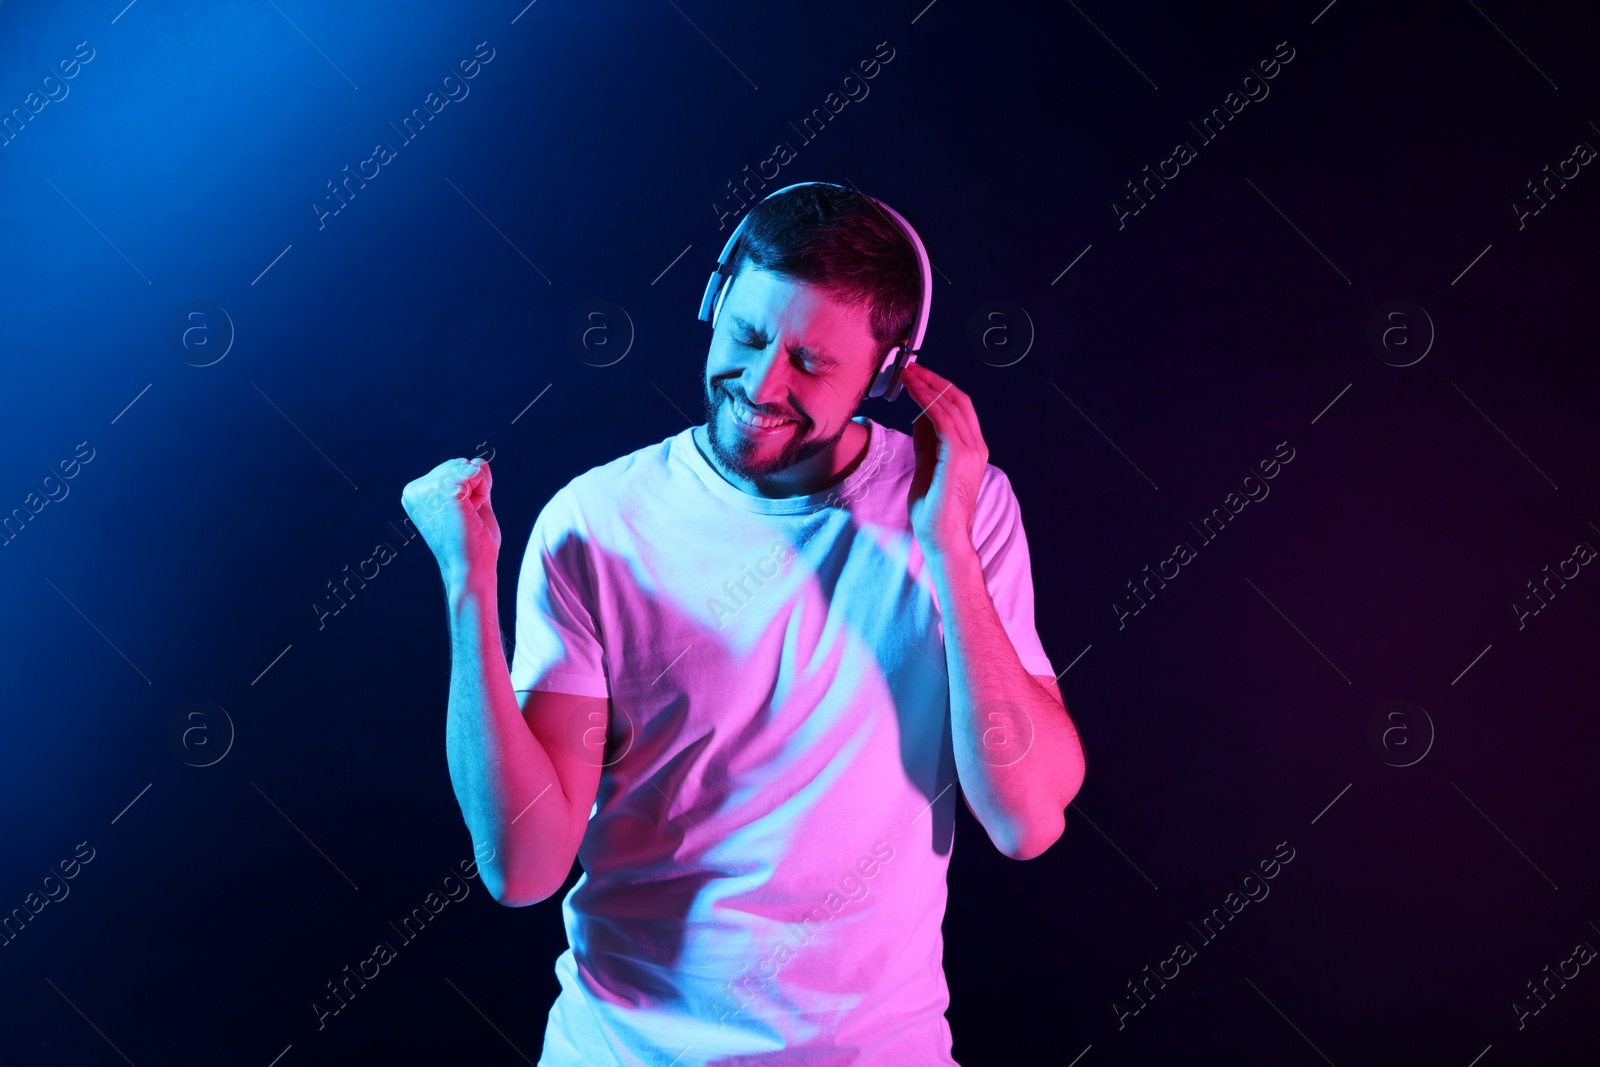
522	774
1017	752
519	791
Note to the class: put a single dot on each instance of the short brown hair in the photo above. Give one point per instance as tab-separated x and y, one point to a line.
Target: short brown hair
840	241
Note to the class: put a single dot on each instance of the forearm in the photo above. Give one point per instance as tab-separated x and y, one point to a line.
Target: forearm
497	766
1017	753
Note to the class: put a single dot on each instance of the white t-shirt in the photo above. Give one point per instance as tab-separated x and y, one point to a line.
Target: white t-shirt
764	868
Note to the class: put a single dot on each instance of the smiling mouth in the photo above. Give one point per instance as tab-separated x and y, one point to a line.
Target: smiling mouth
751	421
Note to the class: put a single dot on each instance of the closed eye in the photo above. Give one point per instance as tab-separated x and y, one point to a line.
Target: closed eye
813	364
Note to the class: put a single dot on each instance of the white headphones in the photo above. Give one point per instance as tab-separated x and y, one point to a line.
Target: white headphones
886	382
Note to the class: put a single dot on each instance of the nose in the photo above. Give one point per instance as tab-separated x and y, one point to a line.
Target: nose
765	380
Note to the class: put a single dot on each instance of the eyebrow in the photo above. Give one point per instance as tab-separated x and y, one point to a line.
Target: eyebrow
799	350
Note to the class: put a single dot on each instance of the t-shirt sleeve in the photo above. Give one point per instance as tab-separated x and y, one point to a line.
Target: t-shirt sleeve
558	646
1003	549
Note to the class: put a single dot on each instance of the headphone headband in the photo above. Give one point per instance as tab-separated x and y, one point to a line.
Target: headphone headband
887	380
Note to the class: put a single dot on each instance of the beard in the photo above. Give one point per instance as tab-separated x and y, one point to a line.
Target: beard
749	456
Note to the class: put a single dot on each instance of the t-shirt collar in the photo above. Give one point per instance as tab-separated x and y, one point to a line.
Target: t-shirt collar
686	447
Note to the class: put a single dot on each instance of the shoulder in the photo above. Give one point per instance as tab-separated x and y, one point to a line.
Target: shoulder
996	485
604	487
894	450
997	505
590	506
892	446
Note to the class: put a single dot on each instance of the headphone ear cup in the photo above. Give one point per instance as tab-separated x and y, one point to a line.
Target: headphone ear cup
709	297
884	379
716	307
905	360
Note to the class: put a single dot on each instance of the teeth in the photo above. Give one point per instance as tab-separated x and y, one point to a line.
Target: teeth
749	418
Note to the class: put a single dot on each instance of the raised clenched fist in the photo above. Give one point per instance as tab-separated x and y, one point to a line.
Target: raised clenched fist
450	507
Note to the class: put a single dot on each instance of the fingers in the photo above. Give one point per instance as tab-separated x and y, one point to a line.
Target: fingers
961	402
478	479
450	505
462	478
950	409
454	479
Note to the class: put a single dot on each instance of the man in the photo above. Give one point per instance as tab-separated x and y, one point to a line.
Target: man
751	663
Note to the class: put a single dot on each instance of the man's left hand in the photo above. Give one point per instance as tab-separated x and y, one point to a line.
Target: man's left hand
951	458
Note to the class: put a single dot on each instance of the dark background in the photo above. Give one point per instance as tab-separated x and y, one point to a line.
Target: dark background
1231	314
